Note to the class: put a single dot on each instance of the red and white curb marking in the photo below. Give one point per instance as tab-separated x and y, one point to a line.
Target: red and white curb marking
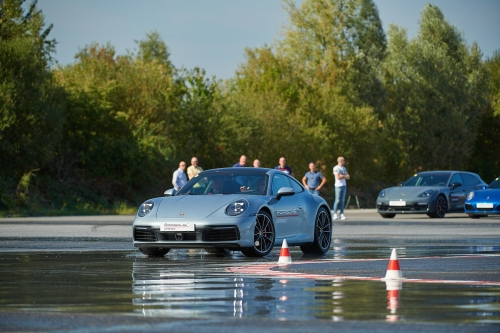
265	270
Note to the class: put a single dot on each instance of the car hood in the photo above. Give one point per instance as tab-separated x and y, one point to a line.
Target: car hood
492	194
193	206
402	192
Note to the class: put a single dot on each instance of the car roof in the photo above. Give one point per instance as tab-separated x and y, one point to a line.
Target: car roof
241	170
444	171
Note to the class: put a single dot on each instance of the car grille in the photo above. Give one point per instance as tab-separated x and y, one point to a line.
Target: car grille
414	207
473	208
218	234
177	236
211	234
145	234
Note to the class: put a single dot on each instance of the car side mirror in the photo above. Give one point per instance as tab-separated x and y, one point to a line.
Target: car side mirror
455	185
170	192
285	192
400	184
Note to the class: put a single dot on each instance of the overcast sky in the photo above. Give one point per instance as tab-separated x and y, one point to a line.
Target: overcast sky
212	34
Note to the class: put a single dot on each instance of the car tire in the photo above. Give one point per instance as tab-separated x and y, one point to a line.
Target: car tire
217	250
440	207
474	216
154	251
387	216
263	237
322	234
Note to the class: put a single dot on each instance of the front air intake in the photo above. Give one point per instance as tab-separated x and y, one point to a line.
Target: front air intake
144	234
221	234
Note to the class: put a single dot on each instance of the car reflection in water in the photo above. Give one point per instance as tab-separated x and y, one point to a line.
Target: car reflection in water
200	287
161	292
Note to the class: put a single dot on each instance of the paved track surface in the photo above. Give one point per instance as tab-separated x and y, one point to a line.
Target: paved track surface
113	233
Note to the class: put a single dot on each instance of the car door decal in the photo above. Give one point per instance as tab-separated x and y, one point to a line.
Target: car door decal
287	213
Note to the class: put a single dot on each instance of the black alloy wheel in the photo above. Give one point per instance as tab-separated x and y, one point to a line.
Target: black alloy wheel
322	234
263	238
441	207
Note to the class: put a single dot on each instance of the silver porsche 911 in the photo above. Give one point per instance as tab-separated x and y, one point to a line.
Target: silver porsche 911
434	193
235	209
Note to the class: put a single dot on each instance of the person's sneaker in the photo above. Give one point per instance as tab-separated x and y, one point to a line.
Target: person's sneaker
335	217
342	217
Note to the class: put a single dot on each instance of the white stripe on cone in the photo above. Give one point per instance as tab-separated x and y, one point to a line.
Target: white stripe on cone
285	257
393	270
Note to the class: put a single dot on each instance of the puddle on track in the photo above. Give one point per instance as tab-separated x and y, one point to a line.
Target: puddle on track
193	284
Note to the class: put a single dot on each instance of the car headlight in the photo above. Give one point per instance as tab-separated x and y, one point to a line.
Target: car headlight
382	194
470	196
426	194
145	208
237	207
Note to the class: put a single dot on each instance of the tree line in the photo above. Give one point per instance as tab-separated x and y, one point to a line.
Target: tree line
108	130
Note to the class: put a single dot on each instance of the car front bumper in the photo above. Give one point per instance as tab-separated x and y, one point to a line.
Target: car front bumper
229	232
471	208
410	207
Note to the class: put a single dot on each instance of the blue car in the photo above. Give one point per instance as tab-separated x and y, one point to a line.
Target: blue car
235	209
484	202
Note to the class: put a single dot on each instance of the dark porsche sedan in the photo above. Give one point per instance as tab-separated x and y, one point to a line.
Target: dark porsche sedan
434	193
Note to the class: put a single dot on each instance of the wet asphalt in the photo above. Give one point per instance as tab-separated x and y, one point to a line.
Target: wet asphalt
456	248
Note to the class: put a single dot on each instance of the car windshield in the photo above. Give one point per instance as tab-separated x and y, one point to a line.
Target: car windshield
428	179
495	183
210	183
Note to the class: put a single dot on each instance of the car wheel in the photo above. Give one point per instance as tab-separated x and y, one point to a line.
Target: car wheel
387	216
322	234
154	251
474	216
263	236
217	250
440	207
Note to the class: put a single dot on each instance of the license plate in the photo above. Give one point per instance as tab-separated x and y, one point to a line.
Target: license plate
484	205
397	203
184	226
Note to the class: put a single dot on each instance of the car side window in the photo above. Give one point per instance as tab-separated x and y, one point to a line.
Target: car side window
279	181
470	180
456	179
295	185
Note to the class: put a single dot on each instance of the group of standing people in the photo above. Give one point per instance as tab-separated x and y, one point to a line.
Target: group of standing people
313	180
179	178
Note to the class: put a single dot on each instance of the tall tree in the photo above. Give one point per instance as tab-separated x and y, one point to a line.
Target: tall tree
340	42
31	106
303	94
436	92
118	111
485	159
153	48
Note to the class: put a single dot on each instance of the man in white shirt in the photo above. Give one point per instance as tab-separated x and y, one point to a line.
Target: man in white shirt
194	169
179	179
341	175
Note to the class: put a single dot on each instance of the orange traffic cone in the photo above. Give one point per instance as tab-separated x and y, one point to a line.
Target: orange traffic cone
285	257
393	271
